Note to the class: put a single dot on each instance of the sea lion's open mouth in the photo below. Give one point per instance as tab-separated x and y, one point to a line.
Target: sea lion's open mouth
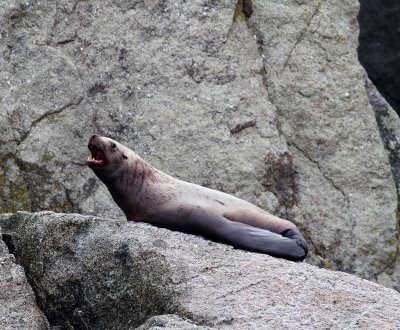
97	155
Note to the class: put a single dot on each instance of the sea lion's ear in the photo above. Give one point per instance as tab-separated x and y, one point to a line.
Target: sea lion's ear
125	157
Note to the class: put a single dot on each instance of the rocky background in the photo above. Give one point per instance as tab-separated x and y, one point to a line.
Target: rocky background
265	100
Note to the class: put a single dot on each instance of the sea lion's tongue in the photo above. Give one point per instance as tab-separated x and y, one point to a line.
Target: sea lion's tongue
97	155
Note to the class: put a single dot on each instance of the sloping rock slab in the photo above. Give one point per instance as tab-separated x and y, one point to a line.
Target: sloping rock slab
18	309
89	272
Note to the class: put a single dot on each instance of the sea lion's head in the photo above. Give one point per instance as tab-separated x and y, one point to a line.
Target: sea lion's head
121	170
108	156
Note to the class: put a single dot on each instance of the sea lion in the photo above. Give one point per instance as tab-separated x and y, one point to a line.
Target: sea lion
147	194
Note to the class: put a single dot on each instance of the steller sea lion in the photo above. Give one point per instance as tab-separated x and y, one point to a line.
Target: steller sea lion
147	194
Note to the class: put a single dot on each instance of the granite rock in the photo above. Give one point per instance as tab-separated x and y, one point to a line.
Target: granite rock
18	308
90	272
264	100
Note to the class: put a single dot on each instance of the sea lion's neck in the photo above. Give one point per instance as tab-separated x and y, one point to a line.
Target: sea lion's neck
130	187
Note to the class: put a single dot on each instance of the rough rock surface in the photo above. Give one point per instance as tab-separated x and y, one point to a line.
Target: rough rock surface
161	322
379	50
341	167
264	100
98	273
389	126
18	309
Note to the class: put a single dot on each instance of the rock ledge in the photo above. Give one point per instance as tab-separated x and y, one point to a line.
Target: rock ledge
89	272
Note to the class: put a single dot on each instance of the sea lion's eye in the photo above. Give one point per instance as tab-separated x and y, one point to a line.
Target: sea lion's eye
124	157
113	146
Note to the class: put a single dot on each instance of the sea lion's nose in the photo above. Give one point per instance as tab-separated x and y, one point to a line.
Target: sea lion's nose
93	137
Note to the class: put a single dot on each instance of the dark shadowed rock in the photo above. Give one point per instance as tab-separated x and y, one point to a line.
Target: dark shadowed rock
18	309
379	50
98	273
389	127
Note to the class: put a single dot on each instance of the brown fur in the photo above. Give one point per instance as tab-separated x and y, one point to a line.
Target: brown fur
144	193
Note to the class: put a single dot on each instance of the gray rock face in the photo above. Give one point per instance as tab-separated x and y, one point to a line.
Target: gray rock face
342	169
389	126
265	101
99	273
18	309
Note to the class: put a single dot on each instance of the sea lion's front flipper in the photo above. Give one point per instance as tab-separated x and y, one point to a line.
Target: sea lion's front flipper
289	245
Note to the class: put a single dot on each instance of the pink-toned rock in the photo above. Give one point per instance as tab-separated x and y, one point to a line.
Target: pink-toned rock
102	273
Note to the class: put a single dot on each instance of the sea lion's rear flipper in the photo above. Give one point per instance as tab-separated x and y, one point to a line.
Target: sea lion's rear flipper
289	245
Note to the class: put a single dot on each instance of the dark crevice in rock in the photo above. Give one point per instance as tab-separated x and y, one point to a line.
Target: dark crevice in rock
392	260
267	83
239	290
271	96
48	115
392	145
379	49
248	8
70	201
240	127
63	13
9	243
243	10
280	176
66	41
391	263
326	177
301	35
263	71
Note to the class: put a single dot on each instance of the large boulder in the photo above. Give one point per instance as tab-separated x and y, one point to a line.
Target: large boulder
342	171
18	308
96	273
264	100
